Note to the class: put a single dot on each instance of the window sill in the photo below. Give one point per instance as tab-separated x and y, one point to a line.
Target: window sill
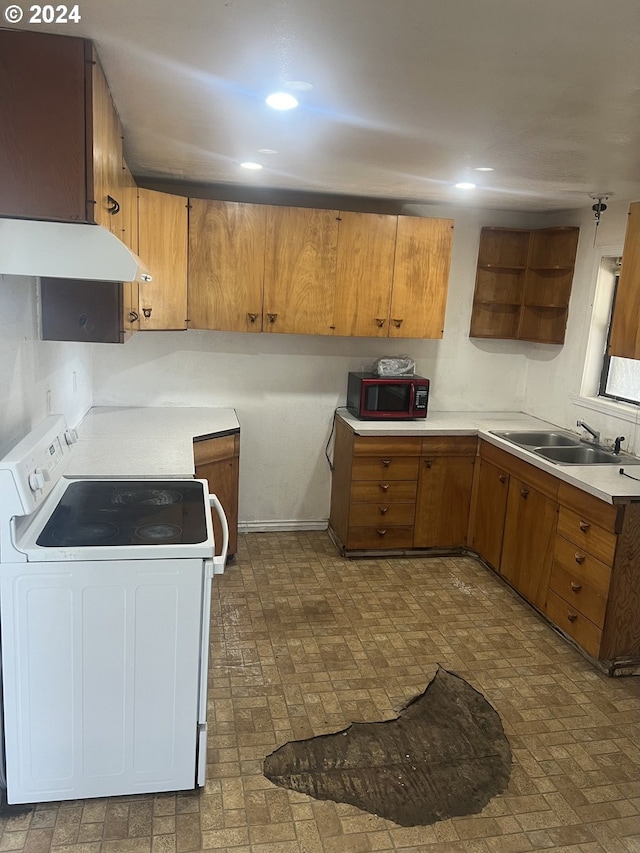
613	408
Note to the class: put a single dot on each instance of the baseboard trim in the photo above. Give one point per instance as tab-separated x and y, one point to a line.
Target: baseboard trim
281	525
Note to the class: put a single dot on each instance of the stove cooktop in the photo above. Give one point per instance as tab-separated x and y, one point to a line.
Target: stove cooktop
123	512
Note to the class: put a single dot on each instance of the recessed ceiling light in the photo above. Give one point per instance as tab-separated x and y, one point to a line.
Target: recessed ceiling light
267	151
282	101
465	185
484	168
254	166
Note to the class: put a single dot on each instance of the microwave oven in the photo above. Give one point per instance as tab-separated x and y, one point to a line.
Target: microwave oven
382	398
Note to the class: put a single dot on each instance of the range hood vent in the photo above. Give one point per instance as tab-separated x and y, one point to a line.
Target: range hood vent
66	250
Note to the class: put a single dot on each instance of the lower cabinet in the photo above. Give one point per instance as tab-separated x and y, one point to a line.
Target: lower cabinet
489	512
444	491
217	461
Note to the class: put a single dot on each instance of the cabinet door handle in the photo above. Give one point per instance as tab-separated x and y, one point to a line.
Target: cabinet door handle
572	616
383	510
147	312
427	463
381	532
575	587
133	316
524	492
272	317
384	486
379	322
114	206
580	558
584	526
252	317
397	323
386	462
502	478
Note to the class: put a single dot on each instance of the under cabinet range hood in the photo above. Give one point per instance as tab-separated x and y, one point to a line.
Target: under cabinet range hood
66	250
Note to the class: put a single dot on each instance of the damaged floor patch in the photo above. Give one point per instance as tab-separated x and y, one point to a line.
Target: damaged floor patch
446	754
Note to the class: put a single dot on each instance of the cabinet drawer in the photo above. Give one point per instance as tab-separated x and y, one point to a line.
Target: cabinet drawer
381	514
384	445
586	535
590	508
450	445
582	564
385	468
393	491
214	449
380	537
573	623
589	601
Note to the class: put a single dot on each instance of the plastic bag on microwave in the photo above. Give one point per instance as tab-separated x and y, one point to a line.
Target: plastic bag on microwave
397	366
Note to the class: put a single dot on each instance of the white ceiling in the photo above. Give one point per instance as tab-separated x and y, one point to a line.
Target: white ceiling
408	97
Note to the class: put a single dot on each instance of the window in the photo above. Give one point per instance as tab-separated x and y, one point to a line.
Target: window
620	377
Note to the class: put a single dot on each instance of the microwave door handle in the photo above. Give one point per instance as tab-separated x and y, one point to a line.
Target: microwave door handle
219	562
412	398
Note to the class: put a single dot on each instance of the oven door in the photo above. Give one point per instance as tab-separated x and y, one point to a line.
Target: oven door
101	676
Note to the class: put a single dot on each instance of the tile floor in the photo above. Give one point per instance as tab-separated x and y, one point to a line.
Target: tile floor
304	642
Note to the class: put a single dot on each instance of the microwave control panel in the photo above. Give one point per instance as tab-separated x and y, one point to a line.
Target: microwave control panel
422	393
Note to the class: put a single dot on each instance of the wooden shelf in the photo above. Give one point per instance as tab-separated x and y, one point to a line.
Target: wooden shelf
523	283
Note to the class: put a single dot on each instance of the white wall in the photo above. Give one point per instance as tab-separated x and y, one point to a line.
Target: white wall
29	368
285	387
554	375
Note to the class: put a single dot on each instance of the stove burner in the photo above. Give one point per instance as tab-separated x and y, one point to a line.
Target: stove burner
158	532
88	533
147	497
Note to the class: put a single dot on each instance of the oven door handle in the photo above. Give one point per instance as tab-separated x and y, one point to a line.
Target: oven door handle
220	560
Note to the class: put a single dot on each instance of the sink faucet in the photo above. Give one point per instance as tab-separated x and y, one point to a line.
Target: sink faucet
617	443
594	432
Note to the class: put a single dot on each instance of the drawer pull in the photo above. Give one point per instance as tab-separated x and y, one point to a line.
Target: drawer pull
584	526
252	317
397	322
502	478
386	462
383	510
524	492
580	558
381	532
272	317
379	322
575	587
572	617
384	486
428	463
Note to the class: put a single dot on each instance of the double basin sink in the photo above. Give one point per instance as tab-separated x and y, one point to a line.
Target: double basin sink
564	448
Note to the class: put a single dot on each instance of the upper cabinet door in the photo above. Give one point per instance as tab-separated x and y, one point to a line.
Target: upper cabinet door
108	177
366	250
421	277
625	327
226	265
300	270
163	248
42	126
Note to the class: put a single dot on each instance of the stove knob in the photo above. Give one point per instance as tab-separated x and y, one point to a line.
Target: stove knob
36	480
70	436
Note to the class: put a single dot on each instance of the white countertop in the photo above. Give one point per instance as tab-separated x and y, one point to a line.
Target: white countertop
145	442
602	481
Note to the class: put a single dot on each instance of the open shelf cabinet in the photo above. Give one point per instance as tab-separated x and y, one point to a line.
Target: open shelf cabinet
523	283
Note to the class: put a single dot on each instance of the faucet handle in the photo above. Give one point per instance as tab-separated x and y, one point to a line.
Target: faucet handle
616	444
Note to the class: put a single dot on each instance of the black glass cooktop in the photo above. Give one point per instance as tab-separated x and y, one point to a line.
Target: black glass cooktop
95	513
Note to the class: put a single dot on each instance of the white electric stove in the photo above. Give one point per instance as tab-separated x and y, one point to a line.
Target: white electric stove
105	593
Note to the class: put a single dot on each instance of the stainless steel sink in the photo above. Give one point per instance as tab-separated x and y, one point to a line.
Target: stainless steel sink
585	455
564	448
540	439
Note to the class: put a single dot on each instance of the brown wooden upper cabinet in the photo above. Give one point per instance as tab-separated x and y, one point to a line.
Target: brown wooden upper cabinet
60	136
300	270
226	265
163	245
523	283
625	329
313	271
